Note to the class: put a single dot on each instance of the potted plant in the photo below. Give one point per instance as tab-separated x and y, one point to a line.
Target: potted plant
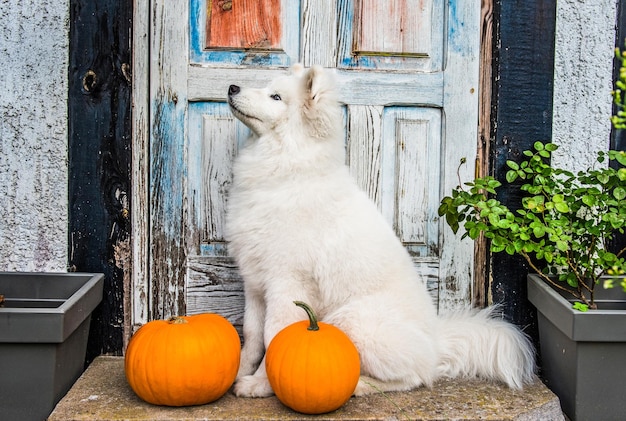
44	326
562	229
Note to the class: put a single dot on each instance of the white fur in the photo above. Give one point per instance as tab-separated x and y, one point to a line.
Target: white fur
300	229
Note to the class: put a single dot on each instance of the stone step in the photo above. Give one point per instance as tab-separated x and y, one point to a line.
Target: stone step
102	394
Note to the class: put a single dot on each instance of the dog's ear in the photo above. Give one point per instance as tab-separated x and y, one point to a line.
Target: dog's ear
296	69
320	109
319	85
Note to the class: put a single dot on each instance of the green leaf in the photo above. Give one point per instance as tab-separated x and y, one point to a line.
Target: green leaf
504	223
493	183
603	178
589	200
620	156
496	249
580	306
443	209
609	257
453	221
511	176
561	207
570	278
548	257
619	193
512	165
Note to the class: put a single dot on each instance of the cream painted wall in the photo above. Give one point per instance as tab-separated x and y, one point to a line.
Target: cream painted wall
33	134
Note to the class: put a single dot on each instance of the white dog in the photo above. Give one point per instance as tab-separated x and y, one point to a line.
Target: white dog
300	229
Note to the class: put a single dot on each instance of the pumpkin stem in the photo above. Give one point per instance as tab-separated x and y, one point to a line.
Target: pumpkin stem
176	320
309	311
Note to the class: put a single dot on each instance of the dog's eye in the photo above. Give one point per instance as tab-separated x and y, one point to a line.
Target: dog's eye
275	97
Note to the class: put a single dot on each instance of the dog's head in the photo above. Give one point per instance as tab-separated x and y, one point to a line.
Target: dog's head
301	103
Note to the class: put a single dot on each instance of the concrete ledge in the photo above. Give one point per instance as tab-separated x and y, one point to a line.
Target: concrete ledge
102	394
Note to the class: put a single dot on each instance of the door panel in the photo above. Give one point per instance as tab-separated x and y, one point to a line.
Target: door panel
410	113
394	34
364	148
394	28
243	32
215	138
412	168
253	25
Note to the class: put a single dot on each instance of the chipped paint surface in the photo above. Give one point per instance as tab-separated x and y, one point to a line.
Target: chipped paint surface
252	25
396	35
33	135
283	53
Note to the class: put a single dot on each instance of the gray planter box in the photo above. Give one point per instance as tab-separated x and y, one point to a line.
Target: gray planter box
44	325
583	354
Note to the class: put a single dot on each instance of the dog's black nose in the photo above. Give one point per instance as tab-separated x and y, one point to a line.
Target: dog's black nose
233	90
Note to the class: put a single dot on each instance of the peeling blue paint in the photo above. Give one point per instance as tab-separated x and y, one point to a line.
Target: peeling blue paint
198	54
206	154
168	169
457	31
218	109
213	249
348	58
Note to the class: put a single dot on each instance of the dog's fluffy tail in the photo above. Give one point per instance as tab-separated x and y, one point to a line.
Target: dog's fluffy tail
476	344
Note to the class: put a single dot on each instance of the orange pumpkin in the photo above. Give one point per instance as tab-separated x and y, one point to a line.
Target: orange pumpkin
313	367
186	360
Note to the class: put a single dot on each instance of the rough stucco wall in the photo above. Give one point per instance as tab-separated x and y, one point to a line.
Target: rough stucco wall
585	38
33	134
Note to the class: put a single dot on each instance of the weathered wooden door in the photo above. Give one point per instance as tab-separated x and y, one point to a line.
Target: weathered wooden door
408	76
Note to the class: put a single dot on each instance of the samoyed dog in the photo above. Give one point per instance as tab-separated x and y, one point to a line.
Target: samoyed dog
300	229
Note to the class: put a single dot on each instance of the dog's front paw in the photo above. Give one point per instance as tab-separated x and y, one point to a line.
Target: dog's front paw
364	387
253	387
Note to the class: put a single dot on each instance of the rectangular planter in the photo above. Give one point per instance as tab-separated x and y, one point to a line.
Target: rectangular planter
44	325
583	354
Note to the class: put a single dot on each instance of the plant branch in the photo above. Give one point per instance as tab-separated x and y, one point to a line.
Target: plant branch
458	172
622	251
550	280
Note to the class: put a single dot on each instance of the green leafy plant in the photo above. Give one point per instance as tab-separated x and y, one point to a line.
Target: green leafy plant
566	220
563	226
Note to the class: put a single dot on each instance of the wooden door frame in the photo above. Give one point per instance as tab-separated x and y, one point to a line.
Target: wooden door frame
480	297
99	143
491	130
137	313
522	93
141	293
